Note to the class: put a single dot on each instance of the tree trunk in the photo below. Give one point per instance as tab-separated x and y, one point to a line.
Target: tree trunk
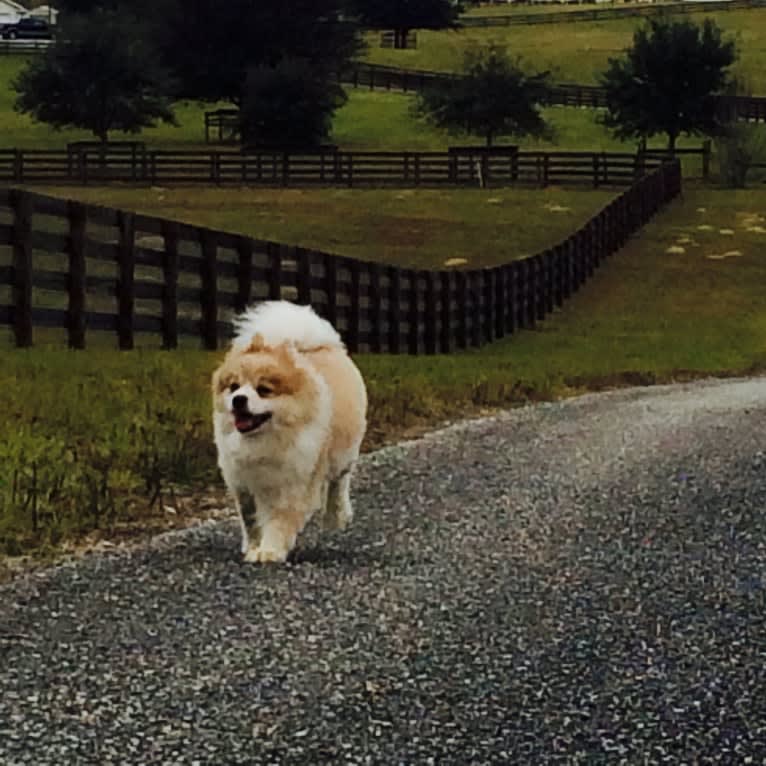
672	142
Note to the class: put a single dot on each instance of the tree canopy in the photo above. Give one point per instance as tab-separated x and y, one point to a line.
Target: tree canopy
668	81
493	98
404	15
288	106
210	46
100	74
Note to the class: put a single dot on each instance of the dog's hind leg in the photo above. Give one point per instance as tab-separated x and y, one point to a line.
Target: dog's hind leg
338	511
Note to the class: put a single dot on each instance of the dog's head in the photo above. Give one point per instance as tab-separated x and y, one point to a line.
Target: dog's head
260	389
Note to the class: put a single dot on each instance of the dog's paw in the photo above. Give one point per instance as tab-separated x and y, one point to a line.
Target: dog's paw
262	555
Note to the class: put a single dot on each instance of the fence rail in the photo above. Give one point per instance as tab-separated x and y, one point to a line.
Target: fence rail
605	14
464	166
65	264
381	77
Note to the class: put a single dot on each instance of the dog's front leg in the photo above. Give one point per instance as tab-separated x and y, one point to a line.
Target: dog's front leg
250	532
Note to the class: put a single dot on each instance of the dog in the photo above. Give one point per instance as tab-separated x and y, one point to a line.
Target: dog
289	416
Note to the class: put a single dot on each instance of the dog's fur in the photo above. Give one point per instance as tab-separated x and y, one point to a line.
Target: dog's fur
289	415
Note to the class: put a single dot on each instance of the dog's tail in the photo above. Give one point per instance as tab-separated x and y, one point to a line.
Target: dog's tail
280	322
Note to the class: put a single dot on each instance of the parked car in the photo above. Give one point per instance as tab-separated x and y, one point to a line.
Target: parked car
27	29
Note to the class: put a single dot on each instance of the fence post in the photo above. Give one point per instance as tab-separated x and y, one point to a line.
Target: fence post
76	250
477	317
331	287
538	267
285	169
413	313
394	310
209	292
430	313
706	151
244	273
376	309
500	300
274	255
445	277
511	315
303	263
126	280
170	268
23	209
354	315
488	304
463	308
18	166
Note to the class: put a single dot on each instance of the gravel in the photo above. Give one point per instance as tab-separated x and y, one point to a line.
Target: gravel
578	582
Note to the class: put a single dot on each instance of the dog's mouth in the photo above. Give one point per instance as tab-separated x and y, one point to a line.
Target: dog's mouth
245	422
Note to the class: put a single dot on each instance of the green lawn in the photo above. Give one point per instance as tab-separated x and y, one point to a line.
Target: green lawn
420	228
574	52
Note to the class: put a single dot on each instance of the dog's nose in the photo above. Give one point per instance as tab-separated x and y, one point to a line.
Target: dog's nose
239	402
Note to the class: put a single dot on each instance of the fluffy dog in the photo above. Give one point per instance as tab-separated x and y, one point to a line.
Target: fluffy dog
289	415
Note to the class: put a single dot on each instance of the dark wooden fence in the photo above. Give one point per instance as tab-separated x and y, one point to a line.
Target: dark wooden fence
81	267
460	166
605	14
380	77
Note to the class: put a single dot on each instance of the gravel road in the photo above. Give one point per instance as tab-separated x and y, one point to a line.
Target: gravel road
578	582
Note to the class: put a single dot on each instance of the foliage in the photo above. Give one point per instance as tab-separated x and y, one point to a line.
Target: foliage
403	15
741	146
211	46
288	106
495	97
99	75
668	81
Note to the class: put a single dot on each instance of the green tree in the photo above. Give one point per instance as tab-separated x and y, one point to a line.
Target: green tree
404	15
210	46
493	98
288	106
668	81
99	75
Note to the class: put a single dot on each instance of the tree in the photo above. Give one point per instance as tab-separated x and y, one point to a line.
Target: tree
210	45
668	81
494	97
99	75
404	15
288	106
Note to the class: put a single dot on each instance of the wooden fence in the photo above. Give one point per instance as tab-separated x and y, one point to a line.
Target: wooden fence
64	264
606	14
460	166
380	77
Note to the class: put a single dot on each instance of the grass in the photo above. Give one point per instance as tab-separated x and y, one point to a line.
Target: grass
575	52
97	430
411	228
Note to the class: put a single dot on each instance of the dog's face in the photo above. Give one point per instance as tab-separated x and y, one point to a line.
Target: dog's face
260	390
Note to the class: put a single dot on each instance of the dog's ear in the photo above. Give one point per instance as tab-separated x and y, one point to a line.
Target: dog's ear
256	344
286	352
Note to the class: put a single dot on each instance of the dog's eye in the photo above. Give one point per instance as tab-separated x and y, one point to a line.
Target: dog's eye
233	387
264	391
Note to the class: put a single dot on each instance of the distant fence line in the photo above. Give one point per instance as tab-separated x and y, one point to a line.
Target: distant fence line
132	162
605	14
380	77
64	264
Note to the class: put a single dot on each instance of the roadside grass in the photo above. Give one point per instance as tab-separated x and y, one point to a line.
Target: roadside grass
91	438
412	228
576	51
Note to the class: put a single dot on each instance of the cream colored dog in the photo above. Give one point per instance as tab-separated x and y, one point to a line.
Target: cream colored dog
289	415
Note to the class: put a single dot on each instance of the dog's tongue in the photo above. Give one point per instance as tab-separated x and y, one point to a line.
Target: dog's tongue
243	422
